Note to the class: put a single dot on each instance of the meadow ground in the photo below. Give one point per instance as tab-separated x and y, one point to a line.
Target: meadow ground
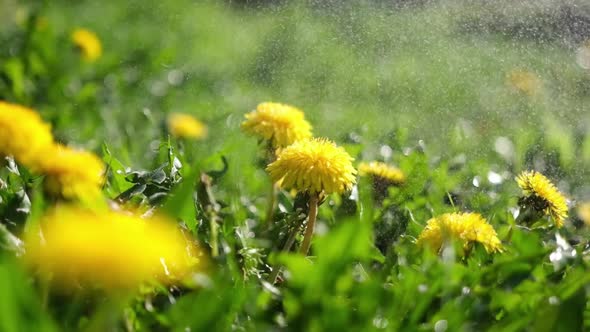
461	97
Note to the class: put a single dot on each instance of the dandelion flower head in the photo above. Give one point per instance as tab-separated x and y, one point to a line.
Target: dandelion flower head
71	173
110	249
88	43
467	227
23	134
542	195
279	124
584	212
382	171
314	166
186	126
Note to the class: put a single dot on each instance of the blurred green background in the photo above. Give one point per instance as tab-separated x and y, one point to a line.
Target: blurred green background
435	71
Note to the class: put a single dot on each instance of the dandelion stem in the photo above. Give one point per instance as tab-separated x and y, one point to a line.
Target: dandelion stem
45	289
272	203
311	217
273	276
214	229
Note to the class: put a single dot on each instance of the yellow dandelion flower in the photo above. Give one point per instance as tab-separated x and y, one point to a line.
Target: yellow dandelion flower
584	212
467	227
88	43
186	126
542	196
23	134
109	249
72	174
382	171
524	81
314	165
280	124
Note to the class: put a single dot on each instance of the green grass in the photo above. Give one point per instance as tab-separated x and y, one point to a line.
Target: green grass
368	76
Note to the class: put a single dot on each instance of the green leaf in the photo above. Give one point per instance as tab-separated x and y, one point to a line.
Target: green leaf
181	202
116	173
14	69
20	309
10	242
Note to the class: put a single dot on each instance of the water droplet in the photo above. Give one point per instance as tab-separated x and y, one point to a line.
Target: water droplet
555	257
252	208
386	151
380	322
175	77
494	177
441	326
158	89
466	290
321	228
504	147
229	120
475	181
422	145
422	288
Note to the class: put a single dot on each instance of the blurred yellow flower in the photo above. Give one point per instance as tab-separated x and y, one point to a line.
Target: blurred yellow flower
542	196
279	124
467	227
23	134
70	173
524	81
108	249
314	165
584	212
186	126
382	171
88	43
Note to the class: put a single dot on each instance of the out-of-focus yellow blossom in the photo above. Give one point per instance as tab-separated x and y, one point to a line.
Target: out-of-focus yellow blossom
279	124
109	249
382	171
316	165
542	196
23	134
584	212
186	126
524	81
70	173
467	227
88	43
